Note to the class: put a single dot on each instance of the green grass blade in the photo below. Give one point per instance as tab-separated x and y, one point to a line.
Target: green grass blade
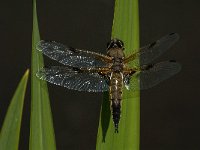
10	132
41	131
126	28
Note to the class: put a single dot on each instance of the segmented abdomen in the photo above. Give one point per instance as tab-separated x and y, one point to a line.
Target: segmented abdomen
116	83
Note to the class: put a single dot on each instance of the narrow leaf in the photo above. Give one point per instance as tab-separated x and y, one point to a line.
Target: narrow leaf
41	131
126	28
10	132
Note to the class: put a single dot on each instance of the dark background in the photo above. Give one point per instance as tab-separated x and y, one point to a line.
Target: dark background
169	111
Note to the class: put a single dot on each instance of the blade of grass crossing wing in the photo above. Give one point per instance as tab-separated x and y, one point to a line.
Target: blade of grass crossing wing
126	28
41	130
10	132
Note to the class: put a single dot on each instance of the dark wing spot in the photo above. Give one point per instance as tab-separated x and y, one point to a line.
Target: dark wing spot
73	50
77	69
171	33
152	44
172	61
147	67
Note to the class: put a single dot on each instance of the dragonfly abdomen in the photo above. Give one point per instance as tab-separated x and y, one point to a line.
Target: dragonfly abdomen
116	83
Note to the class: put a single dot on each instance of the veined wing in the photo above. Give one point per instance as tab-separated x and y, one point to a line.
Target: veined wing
72	57
150	52
152	75
72	78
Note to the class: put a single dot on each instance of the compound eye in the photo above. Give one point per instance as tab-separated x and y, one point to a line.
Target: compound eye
120	44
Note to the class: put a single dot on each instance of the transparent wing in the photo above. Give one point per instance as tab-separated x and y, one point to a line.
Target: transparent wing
70	56
152	75
72	78
150	52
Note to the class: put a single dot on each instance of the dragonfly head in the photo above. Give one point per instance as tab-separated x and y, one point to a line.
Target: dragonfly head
115	43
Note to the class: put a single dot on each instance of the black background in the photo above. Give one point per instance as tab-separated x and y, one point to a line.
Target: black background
169	111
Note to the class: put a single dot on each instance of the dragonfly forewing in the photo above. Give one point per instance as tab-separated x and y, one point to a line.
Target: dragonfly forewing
72	57
148	53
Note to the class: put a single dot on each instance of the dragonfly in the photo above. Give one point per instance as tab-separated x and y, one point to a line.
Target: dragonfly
88	71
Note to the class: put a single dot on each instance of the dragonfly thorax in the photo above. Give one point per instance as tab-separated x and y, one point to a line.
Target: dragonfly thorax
116	53
117	65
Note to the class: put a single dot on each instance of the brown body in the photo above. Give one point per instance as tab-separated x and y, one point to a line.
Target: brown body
116	83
